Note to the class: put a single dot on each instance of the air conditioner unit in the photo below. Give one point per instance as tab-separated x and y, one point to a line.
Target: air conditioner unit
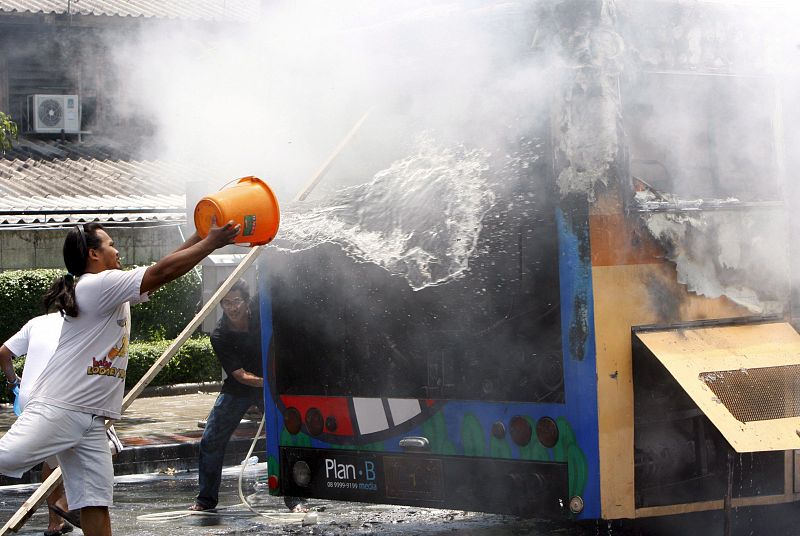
48	114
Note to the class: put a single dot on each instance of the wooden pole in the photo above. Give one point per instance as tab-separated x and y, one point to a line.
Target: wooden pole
29	507
34	501
323	169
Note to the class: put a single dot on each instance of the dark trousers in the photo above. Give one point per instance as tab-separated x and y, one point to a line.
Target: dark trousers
223	420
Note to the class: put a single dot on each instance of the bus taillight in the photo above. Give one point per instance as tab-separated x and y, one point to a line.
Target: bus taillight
547	432
301	473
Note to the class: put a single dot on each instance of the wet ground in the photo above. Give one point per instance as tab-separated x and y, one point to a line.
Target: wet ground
155	505
169	495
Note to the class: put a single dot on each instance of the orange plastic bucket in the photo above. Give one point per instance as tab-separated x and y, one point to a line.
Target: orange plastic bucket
250	203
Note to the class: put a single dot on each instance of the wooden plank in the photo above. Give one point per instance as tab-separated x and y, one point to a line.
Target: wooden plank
29	507
323	169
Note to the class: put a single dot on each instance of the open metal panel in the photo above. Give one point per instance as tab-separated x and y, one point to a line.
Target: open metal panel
744	378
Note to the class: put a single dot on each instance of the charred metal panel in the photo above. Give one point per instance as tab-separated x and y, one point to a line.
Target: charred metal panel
713	37
702	120
580	356
679	454
739	253
588	134
349	328
575	213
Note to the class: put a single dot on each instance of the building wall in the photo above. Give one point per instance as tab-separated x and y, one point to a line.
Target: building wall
23	250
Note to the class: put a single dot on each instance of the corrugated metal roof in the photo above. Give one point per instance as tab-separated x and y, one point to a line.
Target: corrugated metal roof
10	222
52	183
85	176
240	10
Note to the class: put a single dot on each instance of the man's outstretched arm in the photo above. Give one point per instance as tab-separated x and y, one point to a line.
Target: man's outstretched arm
187	256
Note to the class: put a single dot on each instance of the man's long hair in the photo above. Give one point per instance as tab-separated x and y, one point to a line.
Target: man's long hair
77	244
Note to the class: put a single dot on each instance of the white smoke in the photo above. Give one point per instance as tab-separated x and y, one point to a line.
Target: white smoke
273	97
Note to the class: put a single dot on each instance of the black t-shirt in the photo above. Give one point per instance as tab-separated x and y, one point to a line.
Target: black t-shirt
239	350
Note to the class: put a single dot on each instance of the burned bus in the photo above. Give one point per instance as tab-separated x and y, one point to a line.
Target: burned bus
595	322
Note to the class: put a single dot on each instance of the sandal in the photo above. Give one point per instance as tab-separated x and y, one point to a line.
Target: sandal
197	507
72	516
297	505
65	528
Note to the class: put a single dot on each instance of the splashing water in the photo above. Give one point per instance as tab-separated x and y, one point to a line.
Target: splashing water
419	219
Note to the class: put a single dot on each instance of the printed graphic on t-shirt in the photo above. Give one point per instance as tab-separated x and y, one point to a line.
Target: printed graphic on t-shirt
104	366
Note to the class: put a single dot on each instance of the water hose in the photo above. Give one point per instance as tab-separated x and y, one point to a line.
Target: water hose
309	518
274	517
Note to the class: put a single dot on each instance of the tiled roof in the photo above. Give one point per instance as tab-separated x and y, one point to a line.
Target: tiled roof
240	10
52	183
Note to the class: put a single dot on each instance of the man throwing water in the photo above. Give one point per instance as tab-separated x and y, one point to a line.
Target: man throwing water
83	383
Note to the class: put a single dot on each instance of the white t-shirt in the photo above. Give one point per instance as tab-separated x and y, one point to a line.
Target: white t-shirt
37	340
87	370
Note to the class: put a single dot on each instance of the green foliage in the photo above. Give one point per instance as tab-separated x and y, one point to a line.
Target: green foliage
6	395
169	309
194	362
21	293
8	132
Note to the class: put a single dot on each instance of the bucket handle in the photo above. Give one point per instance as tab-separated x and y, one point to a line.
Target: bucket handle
239	179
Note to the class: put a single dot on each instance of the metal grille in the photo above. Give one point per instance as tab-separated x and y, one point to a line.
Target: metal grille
757	394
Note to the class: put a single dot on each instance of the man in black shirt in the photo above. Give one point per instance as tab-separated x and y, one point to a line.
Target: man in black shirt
237	342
